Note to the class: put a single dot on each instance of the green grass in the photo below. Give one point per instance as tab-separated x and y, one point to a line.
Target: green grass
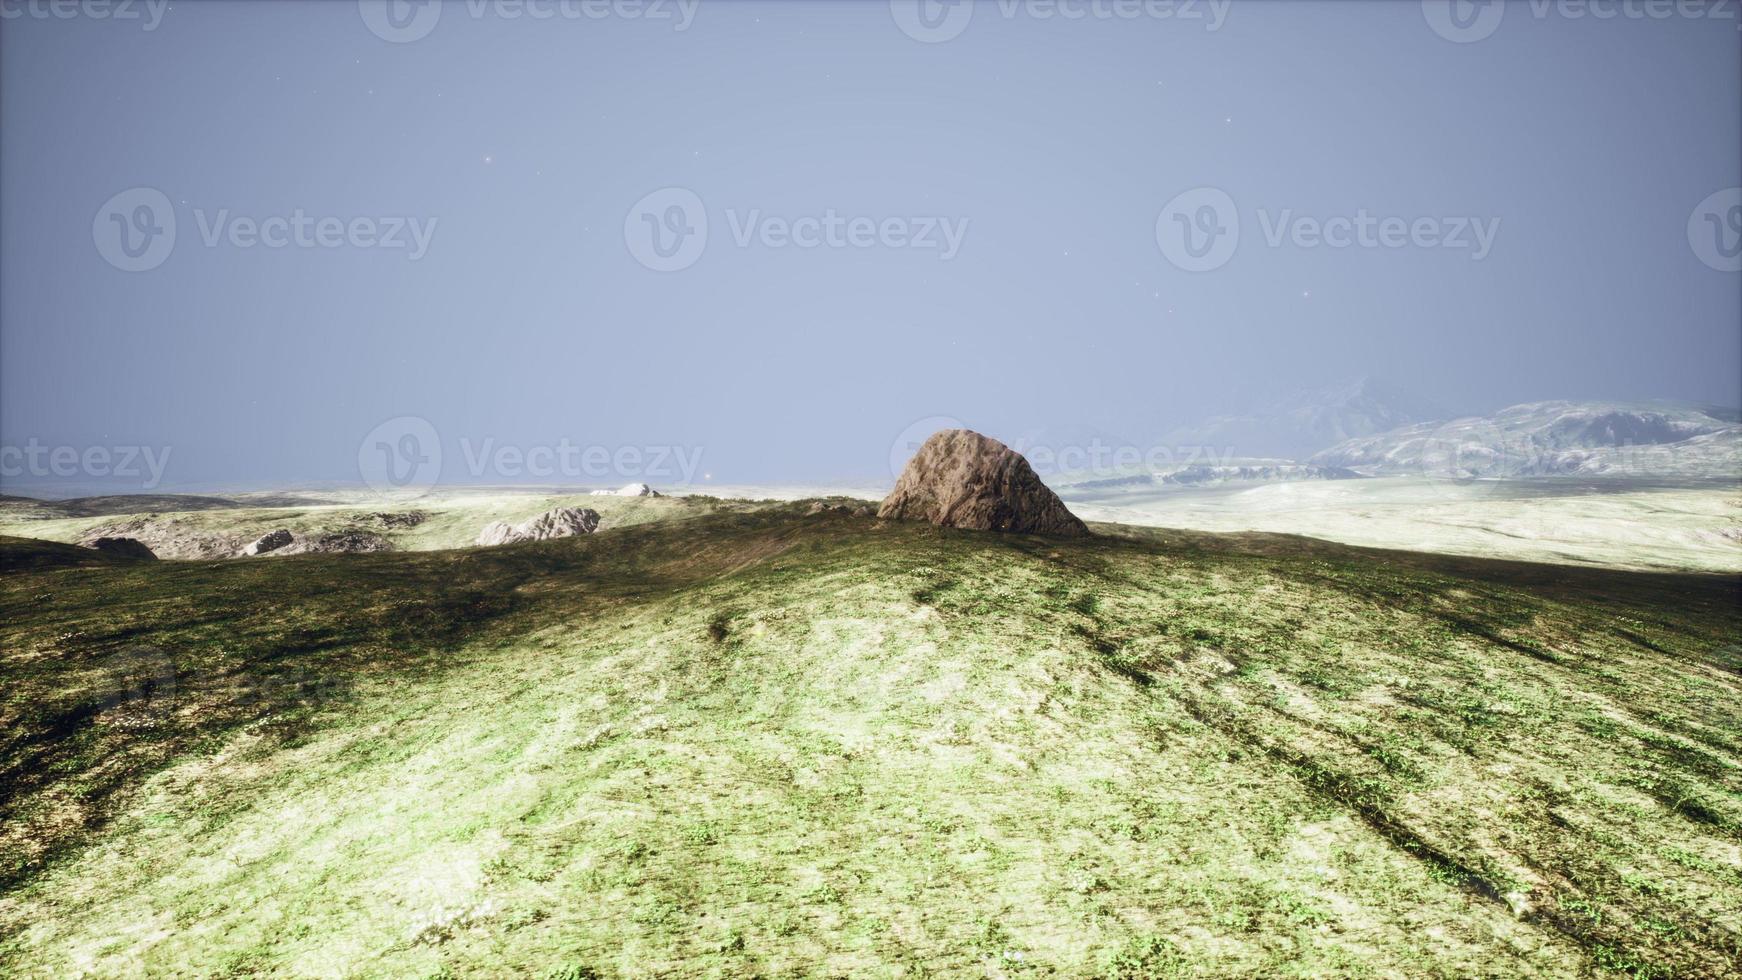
742	740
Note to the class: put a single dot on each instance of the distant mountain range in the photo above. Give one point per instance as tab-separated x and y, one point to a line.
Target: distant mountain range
1296	425
1366	428
1555	438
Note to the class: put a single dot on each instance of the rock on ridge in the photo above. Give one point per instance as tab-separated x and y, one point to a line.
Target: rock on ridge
562	522
963	479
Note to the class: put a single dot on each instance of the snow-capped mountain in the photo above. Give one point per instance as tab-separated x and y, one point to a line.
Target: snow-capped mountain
1555	438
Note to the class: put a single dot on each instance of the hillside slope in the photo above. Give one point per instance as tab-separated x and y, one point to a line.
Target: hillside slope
770	742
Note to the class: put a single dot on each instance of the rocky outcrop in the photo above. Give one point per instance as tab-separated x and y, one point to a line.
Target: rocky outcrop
270	541
169	537
185	538
562	522
122	547
964	479
349	541
844	508
397	520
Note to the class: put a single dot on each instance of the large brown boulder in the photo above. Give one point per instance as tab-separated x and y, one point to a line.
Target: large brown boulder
963	479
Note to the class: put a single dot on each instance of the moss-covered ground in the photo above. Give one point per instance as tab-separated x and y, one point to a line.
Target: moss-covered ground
750	740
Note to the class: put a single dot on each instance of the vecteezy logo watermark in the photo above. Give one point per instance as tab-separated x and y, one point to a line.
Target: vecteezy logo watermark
149	13
299	230
1463	456
1463	21
1364	230
34	459
403	456
143	686
1200	229
400	21
932	21
1466	21
936	21
668	229
914	436
403	21
135	230
569	460
1096	459
831	230
1715	230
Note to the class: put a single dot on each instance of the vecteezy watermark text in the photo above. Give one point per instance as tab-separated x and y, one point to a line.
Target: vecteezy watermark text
404	21
1104	460
667	230
487	457
1469	21
936	21
299	230
405	455
1364	230
1089	459
147	13
830	230
147	685
35	459
135	230
1199	230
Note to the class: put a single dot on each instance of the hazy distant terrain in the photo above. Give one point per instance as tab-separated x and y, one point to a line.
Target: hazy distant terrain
1373	428
1629	485
1616	522
1556	439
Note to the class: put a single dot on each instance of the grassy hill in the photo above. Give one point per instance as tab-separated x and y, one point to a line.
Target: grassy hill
748	740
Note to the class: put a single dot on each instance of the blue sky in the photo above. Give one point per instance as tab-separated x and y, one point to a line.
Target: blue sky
896	227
